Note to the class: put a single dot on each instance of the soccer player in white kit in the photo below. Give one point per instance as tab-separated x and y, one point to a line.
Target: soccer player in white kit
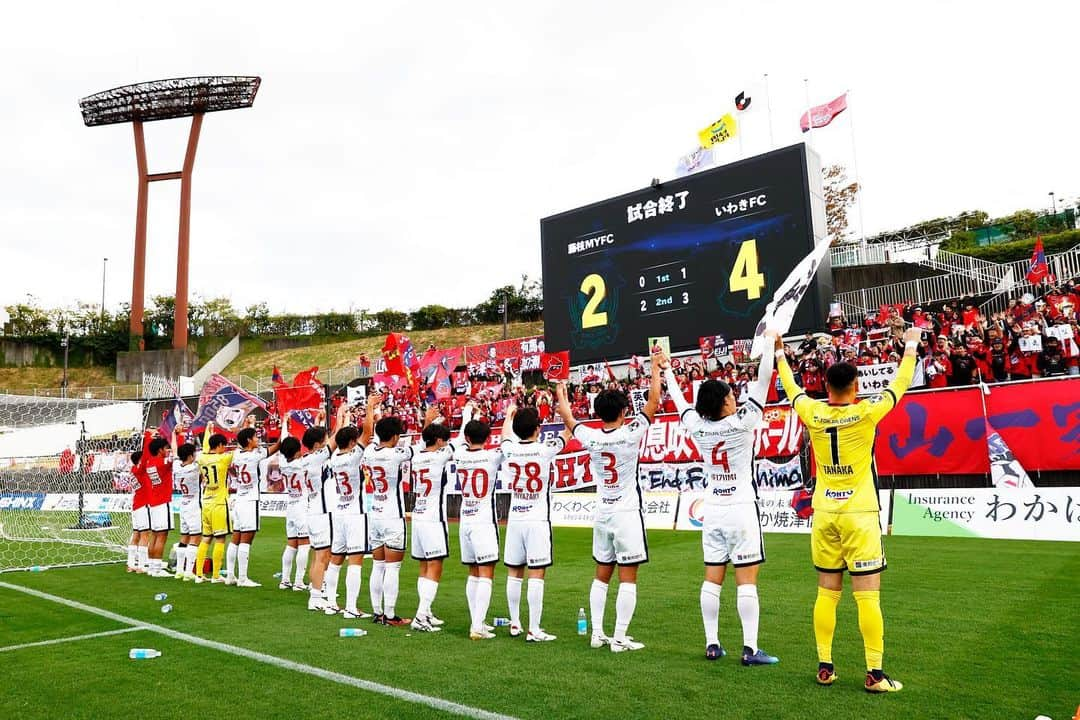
731	531
186	483
386	463
619	524
245	463
320	500
432	468
297	543
528	527
478	529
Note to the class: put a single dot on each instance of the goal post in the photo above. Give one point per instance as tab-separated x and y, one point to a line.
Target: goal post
64	480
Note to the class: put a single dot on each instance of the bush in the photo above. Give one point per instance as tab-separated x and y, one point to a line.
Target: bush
1021	249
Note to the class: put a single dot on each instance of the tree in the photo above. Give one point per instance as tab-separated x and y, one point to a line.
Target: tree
27	318
389	320
839	196
432	317
257	319
523	303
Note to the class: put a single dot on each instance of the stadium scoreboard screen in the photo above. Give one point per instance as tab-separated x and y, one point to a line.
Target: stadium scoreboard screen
701	255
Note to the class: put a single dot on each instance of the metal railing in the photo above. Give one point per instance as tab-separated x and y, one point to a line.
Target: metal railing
1063	265
329	376
907	251
99	392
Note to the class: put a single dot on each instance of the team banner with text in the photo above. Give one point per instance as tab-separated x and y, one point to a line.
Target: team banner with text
494	358
944	432
1008	513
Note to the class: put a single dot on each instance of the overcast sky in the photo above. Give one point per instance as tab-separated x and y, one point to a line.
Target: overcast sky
403	155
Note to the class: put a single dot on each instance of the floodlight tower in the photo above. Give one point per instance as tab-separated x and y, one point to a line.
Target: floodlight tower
165	100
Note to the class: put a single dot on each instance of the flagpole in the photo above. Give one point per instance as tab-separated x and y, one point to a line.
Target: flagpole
855	164
768	106
809	115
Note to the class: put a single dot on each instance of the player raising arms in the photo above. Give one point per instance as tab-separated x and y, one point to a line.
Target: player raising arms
846	533
185	474
478	530
430	542
349	527
214	465
619	524
385	464
246	462
297	543
138	548
320	531
528	528
731	530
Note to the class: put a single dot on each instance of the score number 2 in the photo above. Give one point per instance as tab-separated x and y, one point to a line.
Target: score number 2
595	289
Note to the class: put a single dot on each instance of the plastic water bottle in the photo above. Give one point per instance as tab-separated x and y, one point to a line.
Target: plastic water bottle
143	653
160	596
352	632
38	568
582	623
501	622
277	575
166	608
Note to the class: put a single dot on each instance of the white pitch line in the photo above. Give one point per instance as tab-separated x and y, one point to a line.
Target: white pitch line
73	638
368	685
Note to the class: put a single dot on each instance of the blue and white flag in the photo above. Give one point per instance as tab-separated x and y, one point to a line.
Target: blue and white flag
699	159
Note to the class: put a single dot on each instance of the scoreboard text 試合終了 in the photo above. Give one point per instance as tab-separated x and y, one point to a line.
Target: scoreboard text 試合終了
700	255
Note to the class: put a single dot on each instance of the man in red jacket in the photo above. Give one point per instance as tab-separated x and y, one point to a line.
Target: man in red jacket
140	516
158	470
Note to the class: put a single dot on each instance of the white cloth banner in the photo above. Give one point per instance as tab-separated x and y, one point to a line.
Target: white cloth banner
781	309
579	509
779	476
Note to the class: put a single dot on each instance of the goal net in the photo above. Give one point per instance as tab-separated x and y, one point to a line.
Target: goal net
64	480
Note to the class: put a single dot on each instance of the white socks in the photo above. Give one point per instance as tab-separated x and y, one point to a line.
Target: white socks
192	554
470	596
710	611
301	564
143	557
133	556
513	599
353	579
482	592
330	584
536	603
390	588
230	560
243	553
375	586
181	558
749	611
625	602
597	603
426	589
287	558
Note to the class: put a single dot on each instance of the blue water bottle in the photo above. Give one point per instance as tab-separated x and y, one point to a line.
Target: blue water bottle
582	623
352	632
143	653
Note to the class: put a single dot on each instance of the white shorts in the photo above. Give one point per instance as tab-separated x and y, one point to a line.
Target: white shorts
296	519
245	515
619	538
319	530
140	519
429	540
528	543
732	533
191	517
479	543
388	532
348	534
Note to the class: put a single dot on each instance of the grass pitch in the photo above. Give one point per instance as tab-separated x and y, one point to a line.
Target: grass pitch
974	628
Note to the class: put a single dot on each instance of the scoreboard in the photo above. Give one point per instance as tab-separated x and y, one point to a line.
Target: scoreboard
701	255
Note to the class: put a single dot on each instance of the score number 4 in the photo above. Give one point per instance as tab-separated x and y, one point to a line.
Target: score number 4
745	276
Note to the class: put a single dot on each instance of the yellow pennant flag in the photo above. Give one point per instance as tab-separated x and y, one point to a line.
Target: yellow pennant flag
720	131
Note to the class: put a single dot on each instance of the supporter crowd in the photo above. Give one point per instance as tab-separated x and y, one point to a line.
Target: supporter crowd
1033	337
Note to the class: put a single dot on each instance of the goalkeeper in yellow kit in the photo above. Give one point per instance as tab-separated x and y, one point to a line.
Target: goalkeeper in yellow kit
214	465
846	532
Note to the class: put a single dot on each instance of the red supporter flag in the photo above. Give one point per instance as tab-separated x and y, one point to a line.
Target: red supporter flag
276	378
822	115
610	371
1038	270
555	366
306	393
